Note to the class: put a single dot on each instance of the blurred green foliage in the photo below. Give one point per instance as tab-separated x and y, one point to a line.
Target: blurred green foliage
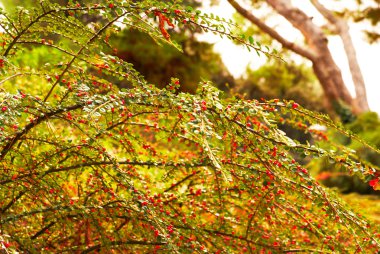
159	63
367	127
367	12
283	80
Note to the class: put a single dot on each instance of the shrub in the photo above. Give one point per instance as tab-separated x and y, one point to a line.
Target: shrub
88	167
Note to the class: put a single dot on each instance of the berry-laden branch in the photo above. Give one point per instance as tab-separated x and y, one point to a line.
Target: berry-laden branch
92	167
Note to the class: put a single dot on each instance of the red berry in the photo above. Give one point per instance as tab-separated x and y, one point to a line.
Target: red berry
4	108
374	182
295	105
111	5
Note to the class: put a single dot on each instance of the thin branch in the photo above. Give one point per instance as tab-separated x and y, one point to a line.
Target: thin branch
31	125
10	77
24	31
38	18
43	230
181	181
324	11
117	243
80	51
14	200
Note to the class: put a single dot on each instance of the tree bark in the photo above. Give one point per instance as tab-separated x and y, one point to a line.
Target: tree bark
325	68
342	29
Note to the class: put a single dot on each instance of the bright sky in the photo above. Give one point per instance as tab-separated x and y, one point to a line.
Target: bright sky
237	58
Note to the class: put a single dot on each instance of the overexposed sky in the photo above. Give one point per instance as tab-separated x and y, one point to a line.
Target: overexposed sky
236	58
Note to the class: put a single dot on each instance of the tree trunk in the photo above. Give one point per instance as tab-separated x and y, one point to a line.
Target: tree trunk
342	29
327	72
324	66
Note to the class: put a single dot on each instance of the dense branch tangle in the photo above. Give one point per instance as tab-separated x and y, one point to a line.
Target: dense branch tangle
94	168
